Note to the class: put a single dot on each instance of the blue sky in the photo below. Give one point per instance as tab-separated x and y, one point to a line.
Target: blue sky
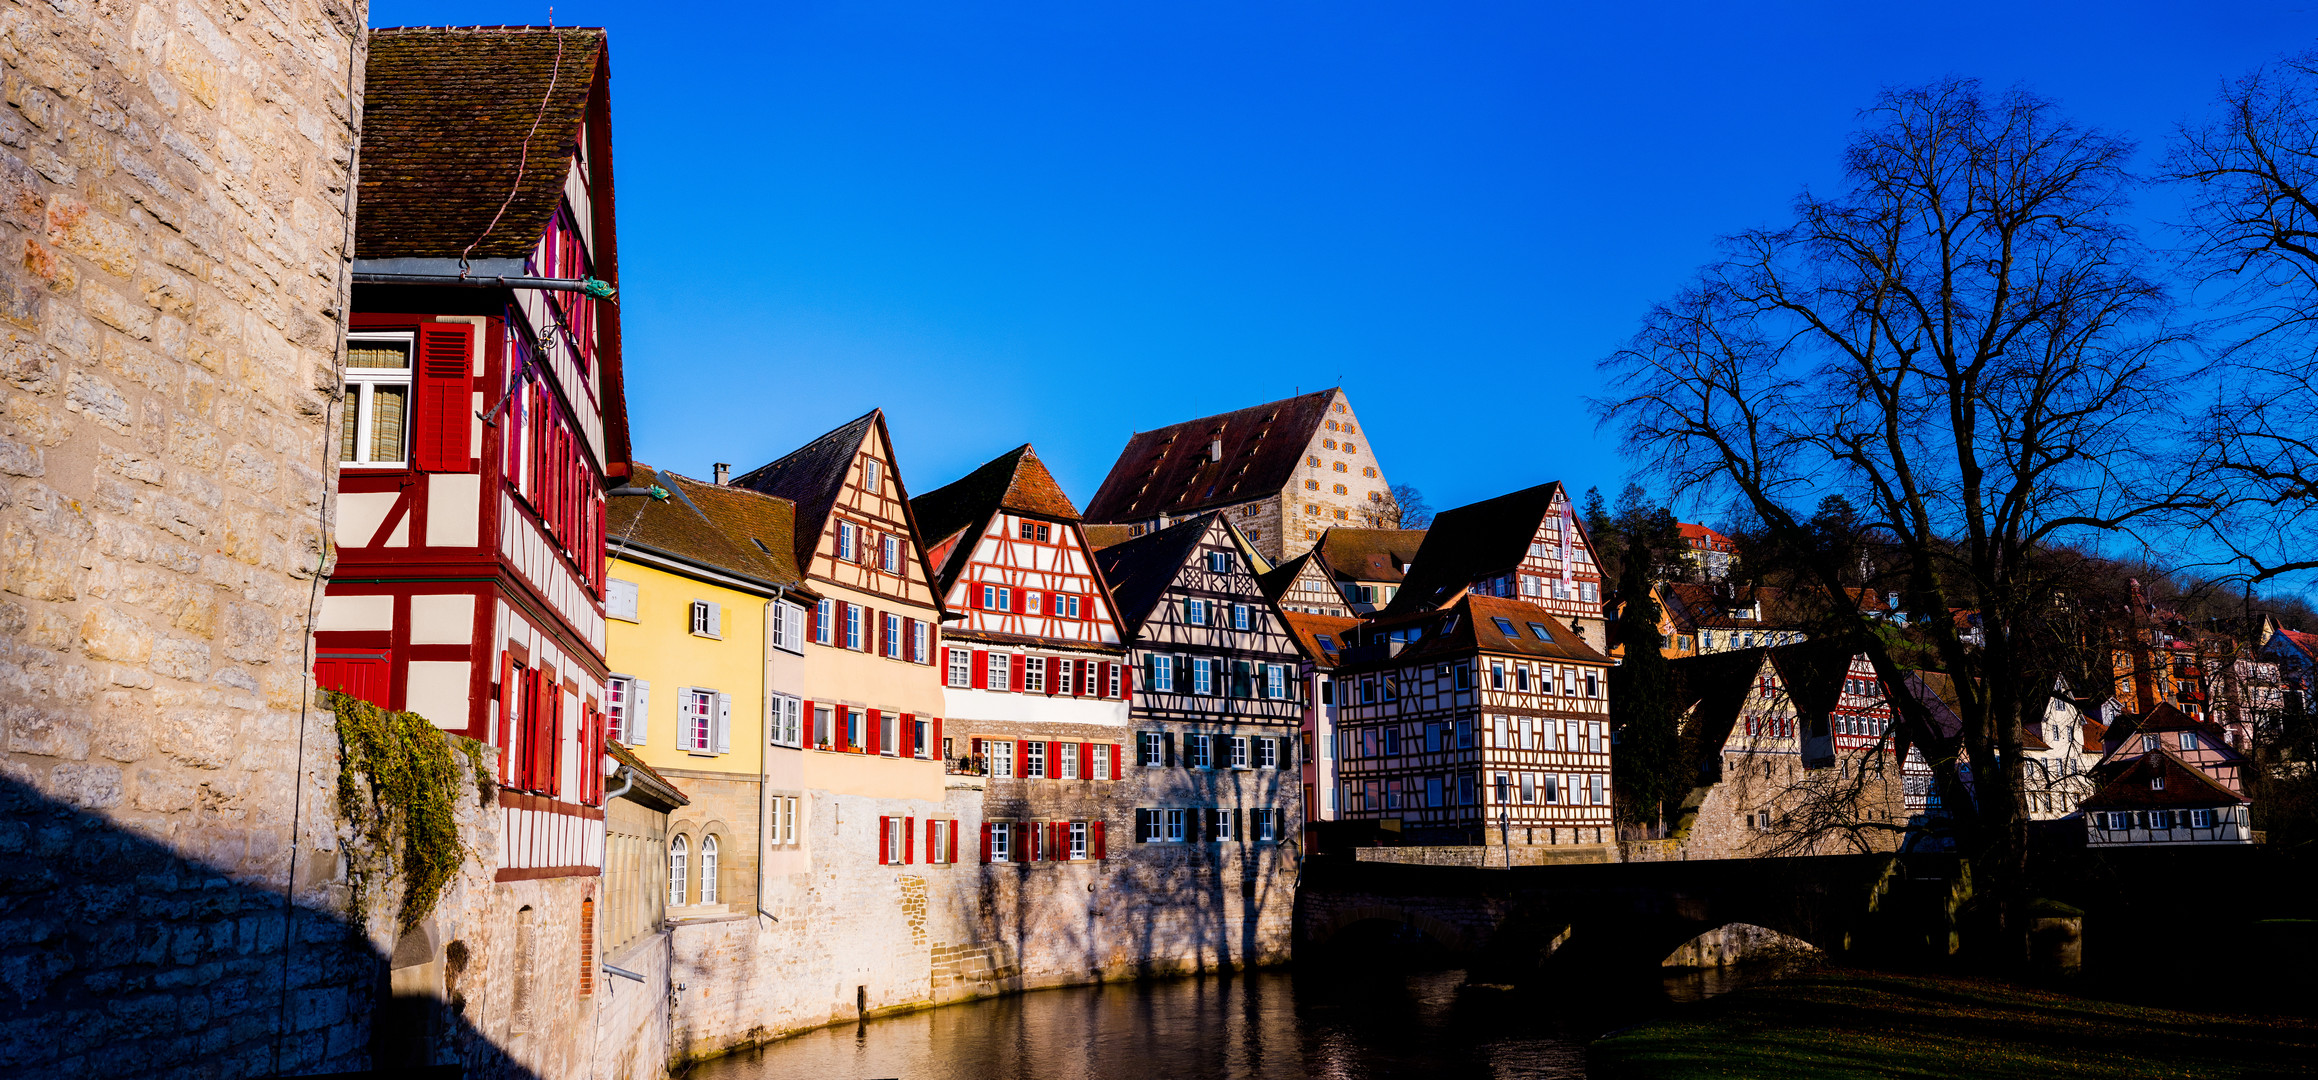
1062	222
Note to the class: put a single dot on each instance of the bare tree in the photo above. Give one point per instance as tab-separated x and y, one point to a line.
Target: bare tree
1966	343
2251	177
1408	508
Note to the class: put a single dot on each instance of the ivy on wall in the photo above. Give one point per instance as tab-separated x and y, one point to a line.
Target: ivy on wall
398	782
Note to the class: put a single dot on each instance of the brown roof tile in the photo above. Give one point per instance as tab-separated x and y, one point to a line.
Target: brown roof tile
1309	629
1475	627
742	533
1103	536
1168	470
2185	786
1473	542
1015	481
813	476
448	122
1377	555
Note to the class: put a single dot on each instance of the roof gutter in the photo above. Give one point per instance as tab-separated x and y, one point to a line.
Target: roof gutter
478	274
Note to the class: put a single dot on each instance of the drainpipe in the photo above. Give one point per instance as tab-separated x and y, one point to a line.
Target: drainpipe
764	751
624	786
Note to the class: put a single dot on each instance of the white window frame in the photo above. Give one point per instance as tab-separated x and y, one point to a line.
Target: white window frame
1034	675
1150	749
921	736
1066	759
696	720
679	857
1275	681
1194	611
1001	841
1202	676
1267	825
1034	760
938	840
893	641
961	674
1239	752
1239	616
708	619
785	720
708	870
788	626
1174	824
872	480
848	542
1078	840
1102	762
1000	673
1267	753
825	620
920	642
889	553
1219	822
998	757
1163	673
361	391
620	709
853	627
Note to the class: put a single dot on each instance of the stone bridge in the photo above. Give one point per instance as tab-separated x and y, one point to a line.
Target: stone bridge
1620	915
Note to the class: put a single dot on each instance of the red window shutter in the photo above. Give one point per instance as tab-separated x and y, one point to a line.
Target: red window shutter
985	841
1022	757
936	748
981	670
884	841
1102	680
843	735
813	622
908	735
500	738
554	725
945	665
1020	662
872	741
443	389
1115	756
1095	842
364	677
1086	761
874	634
909	839
954	841
1061	840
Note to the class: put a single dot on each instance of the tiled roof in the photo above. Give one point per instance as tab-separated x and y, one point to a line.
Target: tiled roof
1716	685
1168	470
1701	536
1704	607
1372	555
1014	481
2185	786
2308	643
813	475
446	115
2165	718
1103	536
1472	542
651	788
1141	569
742	533
1308	629
1475	627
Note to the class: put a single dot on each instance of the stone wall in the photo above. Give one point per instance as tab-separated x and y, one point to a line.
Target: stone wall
1772	790
173	211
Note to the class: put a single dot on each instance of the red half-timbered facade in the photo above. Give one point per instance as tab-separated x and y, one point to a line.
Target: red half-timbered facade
482	420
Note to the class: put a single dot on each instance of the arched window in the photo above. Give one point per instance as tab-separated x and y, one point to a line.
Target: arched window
677	850
708	869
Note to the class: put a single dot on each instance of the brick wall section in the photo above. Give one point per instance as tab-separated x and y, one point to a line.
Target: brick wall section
173	182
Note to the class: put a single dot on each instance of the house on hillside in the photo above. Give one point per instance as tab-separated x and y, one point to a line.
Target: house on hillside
1529	545
1708	552
2157	799
1368	565
1281	472
1485	721
1696	619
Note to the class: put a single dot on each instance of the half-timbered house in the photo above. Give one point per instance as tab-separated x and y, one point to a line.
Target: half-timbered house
1530	545
1302	585
1368	565
1211	776
1486	721
1321	639
1034	670
480	424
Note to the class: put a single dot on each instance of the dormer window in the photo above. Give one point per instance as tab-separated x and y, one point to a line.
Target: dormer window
1505	627
1539	631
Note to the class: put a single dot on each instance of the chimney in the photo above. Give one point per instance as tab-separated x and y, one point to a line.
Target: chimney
723	473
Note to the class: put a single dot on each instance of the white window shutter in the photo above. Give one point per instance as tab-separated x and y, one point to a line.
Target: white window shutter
715	619
639	712
723	723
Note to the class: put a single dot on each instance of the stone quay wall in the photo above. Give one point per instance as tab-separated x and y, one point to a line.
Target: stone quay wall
174	199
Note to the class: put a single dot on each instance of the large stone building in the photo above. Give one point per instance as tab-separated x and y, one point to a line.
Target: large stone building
1282	473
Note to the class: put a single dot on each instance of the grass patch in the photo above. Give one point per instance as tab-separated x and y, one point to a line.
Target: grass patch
1851	1024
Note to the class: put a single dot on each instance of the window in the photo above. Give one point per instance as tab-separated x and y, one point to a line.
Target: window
1496	676
853	718
961	667
1219	562
824	622
938	840
823	733
1034	675
893	636
679	851
1312	462
1034	760
1000	671
889	554
1465	789
1102	762
1150	749
922	736
708	869
1067	606
888	735
1195	611
1275	680
2157	782
625	721
786	721
1175	826
1268	753
1078	840
707	619
1005	599
1504	788
696	729
377	413
1220	821
998	836
786	629
1312	485
2161	819
1117	674
1368	471
2189	740
1032	530
2201	819
1066	757
998	754
1433	791
871	479
1239	616
1162	673
1202	675
848	546
919	649
1392	742
853	627
784	830
1464	676
1202	751
1239	751
2148	744
620	600
1538	631
1339	467
1267	826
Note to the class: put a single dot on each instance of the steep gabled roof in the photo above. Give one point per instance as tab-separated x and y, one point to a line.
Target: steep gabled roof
1310	630
451	117
2165	717
1168	470
1471	623
813	476
1380	555
1279	579
1015	481
2185	786
1713	688
1475	541
1141	569
744	534
2306	644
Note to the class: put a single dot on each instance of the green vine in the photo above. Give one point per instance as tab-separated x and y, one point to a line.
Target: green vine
407	814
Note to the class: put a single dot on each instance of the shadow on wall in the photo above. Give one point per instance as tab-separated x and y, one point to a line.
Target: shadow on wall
121	957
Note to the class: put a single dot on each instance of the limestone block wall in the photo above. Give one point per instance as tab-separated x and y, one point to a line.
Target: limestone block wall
1773	786
632	1033
174	183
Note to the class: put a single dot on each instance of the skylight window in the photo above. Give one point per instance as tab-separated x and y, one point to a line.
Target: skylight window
1505	626
1325	644
1538	629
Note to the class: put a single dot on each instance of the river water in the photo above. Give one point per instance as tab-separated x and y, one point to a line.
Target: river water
1336	1023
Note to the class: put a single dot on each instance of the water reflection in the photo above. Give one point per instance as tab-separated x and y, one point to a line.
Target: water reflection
1336	1024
